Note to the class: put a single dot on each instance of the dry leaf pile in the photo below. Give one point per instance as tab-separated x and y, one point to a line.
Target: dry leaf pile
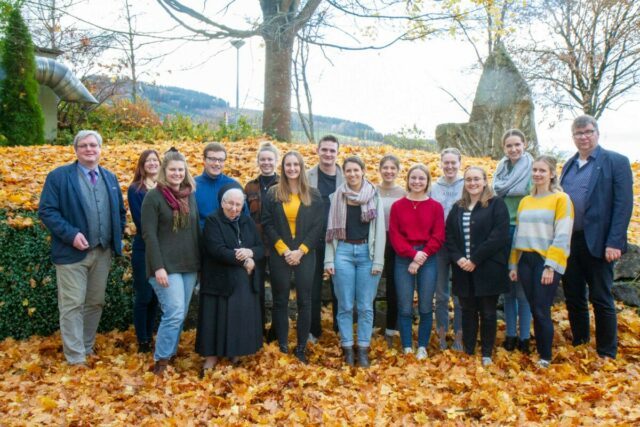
24	169
38	387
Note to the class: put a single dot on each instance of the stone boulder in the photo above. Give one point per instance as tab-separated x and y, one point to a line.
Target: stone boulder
503	101
628	267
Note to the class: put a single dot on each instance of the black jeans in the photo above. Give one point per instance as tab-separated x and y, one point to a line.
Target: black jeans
390	283
281	286
145	303
316	295
479	313
584	270
540	298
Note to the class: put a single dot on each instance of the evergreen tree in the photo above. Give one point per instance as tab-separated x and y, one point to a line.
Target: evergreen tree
21	119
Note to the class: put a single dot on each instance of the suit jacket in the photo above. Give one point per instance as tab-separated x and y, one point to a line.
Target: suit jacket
221	271
609	202
309	222
63	213
489	249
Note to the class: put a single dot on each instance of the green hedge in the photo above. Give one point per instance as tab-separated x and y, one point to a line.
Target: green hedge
28	295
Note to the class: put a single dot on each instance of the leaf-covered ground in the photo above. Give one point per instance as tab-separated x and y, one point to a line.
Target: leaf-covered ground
38	387
24	169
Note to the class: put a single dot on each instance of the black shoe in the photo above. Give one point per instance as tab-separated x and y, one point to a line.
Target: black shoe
523	346
349	356
510	343
363	357
300	354
144	347
284	348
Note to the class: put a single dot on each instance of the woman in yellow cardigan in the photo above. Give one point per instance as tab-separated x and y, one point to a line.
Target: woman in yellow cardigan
541	248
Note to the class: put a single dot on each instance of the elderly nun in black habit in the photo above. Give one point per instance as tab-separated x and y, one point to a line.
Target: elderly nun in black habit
229	321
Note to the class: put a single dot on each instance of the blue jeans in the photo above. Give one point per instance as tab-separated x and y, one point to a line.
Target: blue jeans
425	281
517	307
353	282
540	298
174	302
443	291
145	303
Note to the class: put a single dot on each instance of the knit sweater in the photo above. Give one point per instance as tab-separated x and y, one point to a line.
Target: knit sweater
544	224
414	224
175	251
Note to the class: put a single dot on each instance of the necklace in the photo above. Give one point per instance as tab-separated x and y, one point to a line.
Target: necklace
266	184
416	203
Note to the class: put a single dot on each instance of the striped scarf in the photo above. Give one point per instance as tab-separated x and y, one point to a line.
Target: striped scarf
337	226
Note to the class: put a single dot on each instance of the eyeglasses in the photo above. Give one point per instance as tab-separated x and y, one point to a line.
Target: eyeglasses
580	134
215	159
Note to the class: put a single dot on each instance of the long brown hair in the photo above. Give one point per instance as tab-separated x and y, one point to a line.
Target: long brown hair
175	156
487	193
283	189
140	174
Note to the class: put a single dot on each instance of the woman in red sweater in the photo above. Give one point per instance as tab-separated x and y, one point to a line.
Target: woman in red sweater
416	231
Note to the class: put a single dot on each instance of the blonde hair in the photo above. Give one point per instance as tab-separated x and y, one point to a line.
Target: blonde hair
171	156
283	189
423	168
552	163
487	192
268	146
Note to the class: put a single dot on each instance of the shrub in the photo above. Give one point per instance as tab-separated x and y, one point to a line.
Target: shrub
28	293
22	120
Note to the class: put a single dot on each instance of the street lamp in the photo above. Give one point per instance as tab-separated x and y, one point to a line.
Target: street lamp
238	43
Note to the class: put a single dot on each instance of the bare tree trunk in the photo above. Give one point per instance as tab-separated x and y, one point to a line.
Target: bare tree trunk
276	119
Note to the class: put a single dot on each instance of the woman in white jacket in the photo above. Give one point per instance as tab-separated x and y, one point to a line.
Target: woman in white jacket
355	256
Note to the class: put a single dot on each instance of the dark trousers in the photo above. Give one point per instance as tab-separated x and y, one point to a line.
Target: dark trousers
281	285
145	303
316	295
261	274
584	270
479	313
390	283
540	297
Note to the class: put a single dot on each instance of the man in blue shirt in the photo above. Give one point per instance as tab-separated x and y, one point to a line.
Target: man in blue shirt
600	184
212	180
81	205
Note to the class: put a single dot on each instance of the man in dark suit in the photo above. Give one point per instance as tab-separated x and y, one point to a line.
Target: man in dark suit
81	205
600	185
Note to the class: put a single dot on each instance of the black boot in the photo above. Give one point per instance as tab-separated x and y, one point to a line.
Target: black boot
300	354
284	348
363	357
144	347
349	356
523	346
510	343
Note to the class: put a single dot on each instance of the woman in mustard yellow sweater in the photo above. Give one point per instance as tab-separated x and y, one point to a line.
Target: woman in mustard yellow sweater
541	247
292	220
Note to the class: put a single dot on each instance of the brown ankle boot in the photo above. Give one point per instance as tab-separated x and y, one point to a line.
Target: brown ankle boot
160	366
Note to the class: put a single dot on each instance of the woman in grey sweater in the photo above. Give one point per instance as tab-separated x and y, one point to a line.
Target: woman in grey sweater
171	235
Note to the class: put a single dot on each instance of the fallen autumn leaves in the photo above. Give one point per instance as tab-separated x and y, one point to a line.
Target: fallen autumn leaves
38	387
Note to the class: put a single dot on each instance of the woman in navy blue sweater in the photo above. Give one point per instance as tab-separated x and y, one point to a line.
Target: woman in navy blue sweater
145	304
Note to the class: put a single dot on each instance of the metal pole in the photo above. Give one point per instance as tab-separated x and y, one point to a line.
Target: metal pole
237	44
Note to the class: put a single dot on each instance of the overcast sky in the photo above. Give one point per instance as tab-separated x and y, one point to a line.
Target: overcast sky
387	89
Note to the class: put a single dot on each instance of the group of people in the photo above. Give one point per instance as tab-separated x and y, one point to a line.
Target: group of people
517	236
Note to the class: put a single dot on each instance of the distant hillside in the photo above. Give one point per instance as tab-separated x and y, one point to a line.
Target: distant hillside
202	107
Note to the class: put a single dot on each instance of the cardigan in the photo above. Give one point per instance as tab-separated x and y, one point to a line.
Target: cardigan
376	240
489	249
175	251
221	271
309	222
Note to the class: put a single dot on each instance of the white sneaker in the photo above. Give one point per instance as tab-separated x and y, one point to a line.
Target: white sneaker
486	361
543	364
312	339
421	354
408	350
